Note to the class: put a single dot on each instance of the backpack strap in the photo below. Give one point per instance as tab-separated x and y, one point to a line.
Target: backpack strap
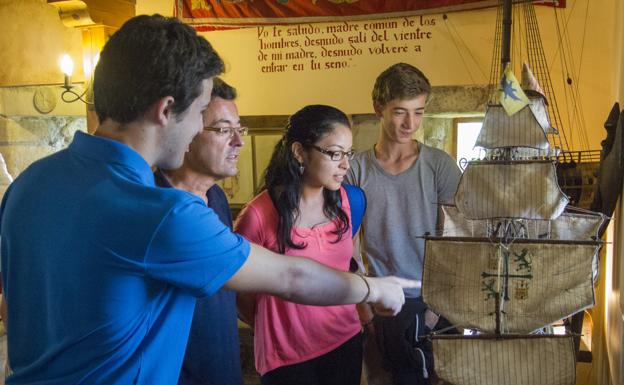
357	201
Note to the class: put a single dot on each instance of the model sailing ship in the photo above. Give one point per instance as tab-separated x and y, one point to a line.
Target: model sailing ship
511	258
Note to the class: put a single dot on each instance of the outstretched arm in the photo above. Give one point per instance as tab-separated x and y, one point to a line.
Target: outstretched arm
304	281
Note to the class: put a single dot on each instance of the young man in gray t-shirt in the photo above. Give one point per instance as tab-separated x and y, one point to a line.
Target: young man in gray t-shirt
404	182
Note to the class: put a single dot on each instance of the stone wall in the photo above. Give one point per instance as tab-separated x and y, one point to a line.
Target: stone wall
435	131
447	104
24	139
27	133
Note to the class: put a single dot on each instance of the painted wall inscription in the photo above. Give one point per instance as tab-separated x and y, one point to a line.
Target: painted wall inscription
334	46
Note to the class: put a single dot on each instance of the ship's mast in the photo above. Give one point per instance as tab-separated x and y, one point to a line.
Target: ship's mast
501	296
506	41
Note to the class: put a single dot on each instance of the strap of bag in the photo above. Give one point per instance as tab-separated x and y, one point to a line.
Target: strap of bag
357	201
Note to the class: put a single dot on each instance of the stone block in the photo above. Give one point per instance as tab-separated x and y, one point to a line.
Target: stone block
434	131
11	131
458	101
24	139
20	156
365	131
438	133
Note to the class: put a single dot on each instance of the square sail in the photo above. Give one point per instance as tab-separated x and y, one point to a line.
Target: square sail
568	226
496	189
538	282
526	128
511	360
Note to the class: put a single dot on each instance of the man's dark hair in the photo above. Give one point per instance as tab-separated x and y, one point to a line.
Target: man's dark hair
400	81
221	89
148	58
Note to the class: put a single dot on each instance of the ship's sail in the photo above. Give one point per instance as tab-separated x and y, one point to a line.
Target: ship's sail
513	360
569	226
527	128
539	282
496	189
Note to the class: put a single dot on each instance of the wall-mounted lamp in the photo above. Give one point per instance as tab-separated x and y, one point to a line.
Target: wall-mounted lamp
69	95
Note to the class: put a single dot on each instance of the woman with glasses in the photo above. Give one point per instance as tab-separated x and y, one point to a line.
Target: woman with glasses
304	211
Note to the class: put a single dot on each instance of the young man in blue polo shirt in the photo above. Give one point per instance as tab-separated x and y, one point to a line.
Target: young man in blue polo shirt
100	268
212	353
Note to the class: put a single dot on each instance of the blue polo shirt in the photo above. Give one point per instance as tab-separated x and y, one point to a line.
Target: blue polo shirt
101	268
212	353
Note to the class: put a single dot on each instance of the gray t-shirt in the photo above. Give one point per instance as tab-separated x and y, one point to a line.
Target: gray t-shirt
401	209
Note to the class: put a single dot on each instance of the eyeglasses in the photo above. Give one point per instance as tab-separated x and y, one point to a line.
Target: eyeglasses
229	131
336	156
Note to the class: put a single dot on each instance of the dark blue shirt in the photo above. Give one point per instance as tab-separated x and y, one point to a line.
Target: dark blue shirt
101	268
212	354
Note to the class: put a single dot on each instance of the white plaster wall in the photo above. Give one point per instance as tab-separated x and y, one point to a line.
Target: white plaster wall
349	89
32	41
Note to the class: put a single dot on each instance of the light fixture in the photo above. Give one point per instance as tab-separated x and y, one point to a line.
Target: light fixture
67	67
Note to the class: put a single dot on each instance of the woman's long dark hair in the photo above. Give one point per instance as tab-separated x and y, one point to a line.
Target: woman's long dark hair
283	179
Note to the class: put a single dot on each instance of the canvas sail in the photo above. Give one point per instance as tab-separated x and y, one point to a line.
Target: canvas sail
529	360
541	282
527	128
568	226
526	190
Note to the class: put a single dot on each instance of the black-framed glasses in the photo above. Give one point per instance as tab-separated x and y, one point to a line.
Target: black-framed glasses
229	131
336	156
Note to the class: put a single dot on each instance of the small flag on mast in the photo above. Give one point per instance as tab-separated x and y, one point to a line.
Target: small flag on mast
511	96
529	81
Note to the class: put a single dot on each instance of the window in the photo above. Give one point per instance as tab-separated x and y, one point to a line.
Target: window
467	133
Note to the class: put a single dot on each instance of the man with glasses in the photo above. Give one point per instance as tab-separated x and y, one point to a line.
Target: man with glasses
212	353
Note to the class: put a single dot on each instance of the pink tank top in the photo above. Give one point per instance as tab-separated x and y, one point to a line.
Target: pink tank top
286	333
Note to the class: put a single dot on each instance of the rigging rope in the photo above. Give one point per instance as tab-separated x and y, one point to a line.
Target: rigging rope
445	17
538	59
571	75
454	33
495	73
582	131
532	48
564	72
